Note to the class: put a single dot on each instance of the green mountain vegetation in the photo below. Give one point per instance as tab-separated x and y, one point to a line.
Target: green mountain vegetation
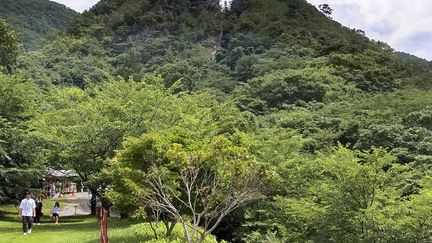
35	20
258	121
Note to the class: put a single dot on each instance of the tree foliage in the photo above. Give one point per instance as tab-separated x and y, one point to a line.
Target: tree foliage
9	48
35	21
187	180
20	168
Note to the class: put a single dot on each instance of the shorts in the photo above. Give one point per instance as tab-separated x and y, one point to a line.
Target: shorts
55	214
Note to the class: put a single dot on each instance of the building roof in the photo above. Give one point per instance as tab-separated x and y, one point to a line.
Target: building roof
62	173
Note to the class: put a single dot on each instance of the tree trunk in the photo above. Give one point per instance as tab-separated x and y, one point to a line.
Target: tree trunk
123	215
104	227
154	230
186	232
170	229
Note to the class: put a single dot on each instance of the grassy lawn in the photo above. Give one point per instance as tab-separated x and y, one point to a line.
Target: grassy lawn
71	229
82	229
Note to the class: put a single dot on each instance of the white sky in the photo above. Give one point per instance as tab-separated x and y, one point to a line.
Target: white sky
78	5
404	24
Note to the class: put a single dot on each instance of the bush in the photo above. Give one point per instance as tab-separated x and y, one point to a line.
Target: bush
145	233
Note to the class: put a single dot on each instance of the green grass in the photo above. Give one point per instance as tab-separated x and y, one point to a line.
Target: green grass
81	228
72	229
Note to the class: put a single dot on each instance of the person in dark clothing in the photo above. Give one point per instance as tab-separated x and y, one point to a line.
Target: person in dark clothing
38	210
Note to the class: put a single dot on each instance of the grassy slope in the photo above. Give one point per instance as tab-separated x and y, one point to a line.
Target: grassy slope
71	229
82	229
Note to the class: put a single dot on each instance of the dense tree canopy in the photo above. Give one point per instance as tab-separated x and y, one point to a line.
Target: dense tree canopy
20	168
9	48
35	20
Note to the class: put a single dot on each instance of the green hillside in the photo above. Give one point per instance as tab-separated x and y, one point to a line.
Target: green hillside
265	119
243	42
35	20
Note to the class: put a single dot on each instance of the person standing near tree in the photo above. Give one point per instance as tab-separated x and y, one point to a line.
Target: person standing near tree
38	210
27	212
98	208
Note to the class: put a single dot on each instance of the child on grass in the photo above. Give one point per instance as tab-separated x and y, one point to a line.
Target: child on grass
55	212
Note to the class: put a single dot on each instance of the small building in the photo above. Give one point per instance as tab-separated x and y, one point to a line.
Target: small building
58	182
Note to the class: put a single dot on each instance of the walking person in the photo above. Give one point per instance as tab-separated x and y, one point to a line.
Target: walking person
98	208
27	212
38	211
55	212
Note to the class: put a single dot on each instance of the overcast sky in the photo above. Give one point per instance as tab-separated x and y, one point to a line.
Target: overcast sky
404	24
78	5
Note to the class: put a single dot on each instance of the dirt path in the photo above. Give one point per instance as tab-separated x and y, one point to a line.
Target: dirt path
79	206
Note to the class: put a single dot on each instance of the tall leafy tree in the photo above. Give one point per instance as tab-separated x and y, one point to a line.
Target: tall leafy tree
20	167
186	180
9	47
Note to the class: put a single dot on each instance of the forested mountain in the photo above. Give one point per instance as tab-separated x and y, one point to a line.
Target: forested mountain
234	45
301	129
35	20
